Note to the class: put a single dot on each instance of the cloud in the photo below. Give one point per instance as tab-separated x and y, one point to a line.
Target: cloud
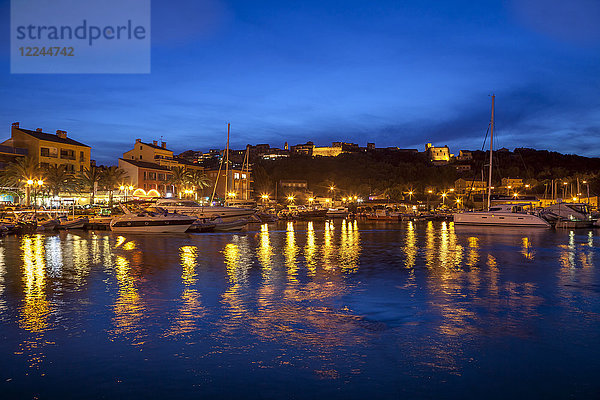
573	21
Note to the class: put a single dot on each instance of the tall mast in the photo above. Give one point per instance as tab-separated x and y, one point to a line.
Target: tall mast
491	151
227	165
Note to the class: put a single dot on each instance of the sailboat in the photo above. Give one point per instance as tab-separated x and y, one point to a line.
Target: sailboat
503	214
210	212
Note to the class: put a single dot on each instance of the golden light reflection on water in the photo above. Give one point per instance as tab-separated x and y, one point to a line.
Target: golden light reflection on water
190	309
410	246
473	254
129	309
328	249
349	250
297	293
527	249
290	252
36	307
265	252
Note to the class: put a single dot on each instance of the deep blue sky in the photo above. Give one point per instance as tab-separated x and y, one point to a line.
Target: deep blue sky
397	73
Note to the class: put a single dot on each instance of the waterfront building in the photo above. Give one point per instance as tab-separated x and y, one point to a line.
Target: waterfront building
48	148
236	183
146	175
463	186
9	154
463	167
464	155
304	149
512	182
149	166
297	189
438	155
152	153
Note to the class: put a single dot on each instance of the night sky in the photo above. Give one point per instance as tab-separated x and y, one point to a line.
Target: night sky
397	73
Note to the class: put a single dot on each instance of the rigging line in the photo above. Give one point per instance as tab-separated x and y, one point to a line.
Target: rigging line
482	147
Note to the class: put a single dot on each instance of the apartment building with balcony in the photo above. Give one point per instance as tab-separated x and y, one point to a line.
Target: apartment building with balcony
50	149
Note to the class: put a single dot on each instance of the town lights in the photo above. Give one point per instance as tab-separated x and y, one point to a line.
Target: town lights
231	194
30	182
444	198
311	199
515	195
264	196
290	198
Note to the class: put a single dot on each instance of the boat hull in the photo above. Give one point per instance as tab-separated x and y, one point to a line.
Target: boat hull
151	229
160	226
500	219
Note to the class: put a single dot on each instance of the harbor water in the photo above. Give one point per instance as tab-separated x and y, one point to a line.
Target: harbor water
302	310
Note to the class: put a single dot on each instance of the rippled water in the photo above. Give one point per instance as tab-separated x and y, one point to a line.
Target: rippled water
302	310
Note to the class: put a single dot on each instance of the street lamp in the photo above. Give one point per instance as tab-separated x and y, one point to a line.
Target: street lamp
428	194
290	198
564	189
588	190
458	201
444	198
410	194
264	197
35	183
127	189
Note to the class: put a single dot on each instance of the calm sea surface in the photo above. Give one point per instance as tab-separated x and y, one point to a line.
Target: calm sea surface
302	310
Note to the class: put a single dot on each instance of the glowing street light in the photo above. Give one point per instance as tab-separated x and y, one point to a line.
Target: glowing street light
515	195
290	199
444	198
35	183
588	190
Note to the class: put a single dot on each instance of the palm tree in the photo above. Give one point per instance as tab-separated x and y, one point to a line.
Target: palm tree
57	179
111	178
179	178
18	173
199	180
89	179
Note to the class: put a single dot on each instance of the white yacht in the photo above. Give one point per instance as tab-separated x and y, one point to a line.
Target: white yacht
151	221
189	207
339	212
501	215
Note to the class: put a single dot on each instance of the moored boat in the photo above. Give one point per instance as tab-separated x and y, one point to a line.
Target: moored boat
151	221
339	212
568	215
76	223
228	226
501	215
192	208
